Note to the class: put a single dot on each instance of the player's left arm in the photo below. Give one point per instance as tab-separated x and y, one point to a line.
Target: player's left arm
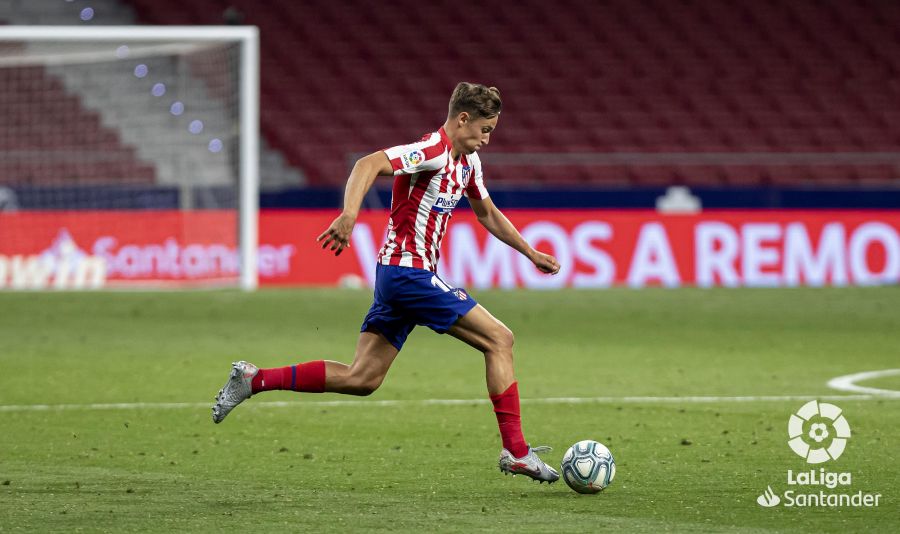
500	227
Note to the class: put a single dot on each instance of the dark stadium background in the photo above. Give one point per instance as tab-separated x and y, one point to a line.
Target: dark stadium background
612	108
763	104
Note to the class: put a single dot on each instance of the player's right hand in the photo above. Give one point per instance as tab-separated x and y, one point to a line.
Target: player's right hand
338	234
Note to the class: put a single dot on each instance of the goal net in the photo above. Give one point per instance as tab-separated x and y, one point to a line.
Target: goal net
128	157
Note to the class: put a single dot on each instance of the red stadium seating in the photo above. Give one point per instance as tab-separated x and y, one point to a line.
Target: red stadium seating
614	76
50	139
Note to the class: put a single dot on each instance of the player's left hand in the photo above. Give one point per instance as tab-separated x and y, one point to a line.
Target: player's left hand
338	234
545	262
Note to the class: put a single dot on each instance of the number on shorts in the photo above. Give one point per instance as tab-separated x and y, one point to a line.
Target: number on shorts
437	282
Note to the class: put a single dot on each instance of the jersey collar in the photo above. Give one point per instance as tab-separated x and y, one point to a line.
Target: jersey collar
445	137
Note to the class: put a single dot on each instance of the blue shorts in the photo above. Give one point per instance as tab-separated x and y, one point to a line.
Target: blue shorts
407	296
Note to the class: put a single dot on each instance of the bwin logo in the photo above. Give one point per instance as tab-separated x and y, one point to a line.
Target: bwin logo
768	498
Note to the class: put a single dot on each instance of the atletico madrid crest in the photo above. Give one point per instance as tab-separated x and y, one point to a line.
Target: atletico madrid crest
464	174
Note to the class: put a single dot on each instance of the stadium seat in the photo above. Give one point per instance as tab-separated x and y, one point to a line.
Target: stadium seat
40	115
648	76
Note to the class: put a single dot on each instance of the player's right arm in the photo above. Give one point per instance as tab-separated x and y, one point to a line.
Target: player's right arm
424	155
363	175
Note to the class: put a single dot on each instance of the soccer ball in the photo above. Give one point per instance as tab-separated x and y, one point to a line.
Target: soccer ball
588	467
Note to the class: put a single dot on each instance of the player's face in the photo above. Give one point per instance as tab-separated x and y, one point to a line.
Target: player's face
474	133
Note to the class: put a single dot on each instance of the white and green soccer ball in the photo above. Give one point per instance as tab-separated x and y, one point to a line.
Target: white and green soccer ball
588	467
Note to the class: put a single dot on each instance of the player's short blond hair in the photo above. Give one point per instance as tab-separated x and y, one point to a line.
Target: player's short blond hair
476	99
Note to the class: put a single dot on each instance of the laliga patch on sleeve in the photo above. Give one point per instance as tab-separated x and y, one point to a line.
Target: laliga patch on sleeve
413	159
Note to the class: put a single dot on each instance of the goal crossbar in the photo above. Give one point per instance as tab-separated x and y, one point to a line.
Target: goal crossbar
248	37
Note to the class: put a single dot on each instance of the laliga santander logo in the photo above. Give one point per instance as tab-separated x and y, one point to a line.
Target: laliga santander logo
769	498
818	432
416	157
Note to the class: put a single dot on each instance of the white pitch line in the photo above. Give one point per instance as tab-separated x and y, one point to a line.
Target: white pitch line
438	402
848	383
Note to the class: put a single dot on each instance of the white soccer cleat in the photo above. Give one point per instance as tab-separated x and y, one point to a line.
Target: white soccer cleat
235	391
529	465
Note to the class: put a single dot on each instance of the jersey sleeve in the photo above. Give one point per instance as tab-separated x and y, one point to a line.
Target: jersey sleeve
476	188
425	155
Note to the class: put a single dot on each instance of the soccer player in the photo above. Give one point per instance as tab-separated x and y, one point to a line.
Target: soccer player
430	177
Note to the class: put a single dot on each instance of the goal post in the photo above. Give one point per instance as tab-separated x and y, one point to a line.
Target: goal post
230	131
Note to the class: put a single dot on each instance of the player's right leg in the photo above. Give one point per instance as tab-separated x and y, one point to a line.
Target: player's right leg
489	335
374	356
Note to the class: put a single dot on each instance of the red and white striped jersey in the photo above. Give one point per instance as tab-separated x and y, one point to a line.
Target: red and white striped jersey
427	186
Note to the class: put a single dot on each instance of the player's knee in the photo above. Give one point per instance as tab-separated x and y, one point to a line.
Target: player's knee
508	339
502	339
366	385
368	388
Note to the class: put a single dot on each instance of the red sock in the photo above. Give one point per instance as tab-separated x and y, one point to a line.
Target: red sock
506	406
308	377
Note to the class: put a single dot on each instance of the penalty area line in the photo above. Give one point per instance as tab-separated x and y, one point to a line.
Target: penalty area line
848	383
440	402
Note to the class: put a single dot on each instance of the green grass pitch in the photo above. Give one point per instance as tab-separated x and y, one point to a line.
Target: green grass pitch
413	466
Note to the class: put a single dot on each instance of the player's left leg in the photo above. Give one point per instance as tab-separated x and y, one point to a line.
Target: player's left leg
487	334
374	356
371	361
382	335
